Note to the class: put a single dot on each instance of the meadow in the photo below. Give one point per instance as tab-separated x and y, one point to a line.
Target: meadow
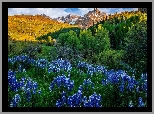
102	66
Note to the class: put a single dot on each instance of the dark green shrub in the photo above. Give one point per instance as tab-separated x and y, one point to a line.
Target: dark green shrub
102	39
14	47
87	42
32	49
110	58
136	47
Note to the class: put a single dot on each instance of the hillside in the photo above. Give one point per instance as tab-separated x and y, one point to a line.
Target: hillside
29	27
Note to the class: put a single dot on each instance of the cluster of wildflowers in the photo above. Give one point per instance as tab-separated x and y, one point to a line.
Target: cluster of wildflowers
101	69
42	63
140	102
15	100
128	83
120	77
56	66
91	69
87	83
20	58
12	81
111	77
62	81
22	61
94	100
78	100
28	86
144	82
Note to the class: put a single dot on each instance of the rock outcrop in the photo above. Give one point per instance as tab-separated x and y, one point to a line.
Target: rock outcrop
92	17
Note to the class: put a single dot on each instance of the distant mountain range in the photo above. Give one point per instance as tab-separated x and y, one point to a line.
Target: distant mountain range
86	21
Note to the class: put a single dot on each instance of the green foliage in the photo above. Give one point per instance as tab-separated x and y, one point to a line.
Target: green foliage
87	41
74	42
63	37
69	45
118	25
136	46
14	48
56	34
102	40
31	49
64	30
110	58
19	47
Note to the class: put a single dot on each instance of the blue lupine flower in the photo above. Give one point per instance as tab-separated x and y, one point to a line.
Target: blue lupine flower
10	60
144	86
71	84
126	78
20	68
35	86
51	87
70	100
16	99
86	104
137	88
58	103
56	66
62	81
144	76
80	88
100	69
94	101
22	82
28	94
91	70
140	102
88	82
104	81
64	100
111	72
12	81
130	86
121	87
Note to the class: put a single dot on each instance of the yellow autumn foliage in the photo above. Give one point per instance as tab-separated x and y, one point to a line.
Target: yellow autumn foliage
21	27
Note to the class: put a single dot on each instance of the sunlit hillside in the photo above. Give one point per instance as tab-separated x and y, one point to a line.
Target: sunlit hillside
21	27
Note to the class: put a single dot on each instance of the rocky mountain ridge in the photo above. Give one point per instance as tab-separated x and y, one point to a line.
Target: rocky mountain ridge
86	21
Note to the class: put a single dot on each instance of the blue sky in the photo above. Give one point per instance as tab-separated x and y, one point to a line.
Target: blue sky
58	12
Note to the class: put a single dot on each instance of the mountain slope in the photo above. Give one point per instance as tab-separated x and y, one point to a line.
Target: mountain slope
86	21
29	27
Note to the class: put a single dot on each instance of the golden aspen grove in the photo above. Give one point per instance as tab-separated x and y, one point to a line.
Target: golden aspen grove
29	27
